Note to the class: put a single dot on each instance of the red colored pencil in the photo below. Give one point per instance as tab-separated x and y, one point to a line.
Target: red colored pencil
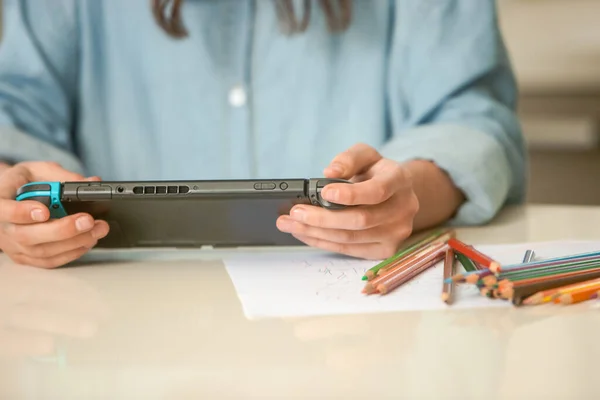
474	255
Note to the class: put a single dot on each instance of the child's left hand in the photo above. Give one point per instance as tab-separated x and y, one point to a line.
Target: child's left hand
384	201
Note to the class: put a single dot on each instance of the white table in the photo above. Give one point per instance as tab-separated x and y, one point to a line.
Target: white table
169	325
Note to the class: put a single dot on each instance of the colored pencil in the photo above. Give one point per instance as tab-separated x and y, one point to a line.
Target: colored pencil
467	264
534	293
576	287
419	252
473	254
578	297
372	272
550	271
392	281
371	286
449	267
473	277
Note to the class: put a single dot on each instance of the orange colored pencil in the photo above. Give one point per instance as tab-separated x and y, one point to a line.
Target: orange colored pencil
578	297
371	286
392	281
549	295
449	269
474	255
418	252
583	287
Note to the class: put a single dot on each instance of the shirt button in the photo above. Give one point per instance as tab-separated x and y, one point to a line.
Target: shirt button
237	96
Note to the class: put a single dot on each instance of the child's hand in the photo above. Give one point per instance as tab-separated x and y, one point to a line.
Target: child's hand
27	235
384	203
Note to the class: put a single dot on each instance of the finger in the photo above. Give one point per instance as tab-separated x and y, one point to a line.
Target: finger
51	231
353	161
390	178
51	171
23	212
51	262
376	234
12	179
369	251
51	249
355	218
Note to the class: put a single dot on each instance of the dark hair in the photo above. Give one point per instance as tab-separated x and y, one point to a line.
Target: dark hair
167	14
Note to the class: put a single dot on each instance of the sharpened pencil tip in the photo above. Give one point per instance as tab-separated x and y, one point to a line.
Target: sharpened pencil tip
364	278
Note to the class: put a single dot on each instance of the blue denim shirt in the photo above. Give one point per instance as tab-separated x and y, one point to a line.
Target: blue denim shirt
100	88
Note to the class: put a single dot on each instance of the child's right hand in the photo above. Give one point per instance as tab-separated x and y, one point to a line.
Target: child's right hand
28	235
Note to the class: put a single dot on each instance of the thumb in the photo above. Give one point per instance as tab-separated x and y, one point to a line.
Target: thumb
354	161
51	171
12	179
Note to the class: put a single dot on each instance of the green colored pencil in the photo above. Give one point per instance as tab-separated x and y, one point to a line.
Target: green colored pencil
371	273
467	264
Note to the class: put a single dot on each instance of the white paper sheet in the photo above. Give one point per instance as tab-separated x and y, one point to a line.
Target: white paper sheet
309	283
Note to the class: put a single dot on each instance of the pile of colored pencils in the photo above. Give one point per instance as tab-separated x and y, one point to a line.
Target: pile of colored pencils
564	280
410	261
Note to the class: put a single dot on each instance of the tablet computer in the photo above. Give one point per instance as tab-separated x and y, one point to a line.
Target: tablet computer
216	213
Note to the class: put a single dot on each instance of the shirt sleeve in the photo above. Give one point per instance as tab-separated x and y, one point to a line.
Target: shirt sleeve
38	81
452	99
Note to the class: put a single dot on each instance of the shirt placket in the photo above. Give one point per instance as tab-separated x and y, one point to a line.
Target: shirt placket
237	80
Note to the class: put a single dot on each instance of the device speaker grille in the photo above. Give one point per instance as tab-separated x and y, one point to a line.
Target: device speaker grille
149	189
138	190
161	189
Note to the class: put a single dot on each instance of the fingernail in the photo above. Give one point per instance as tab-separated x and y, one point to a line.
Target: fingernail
284	225
298	214
84	224
331	194
37	215
99	231
337	168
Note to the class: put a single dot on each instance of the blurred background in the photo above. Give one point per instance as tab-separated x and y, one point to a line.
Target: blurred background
555	49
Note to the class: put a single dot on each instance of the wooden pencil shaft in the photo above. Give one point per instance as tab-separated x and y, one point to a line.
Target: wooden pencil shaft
402	266
553	261
581	286
420	252
413	267
408	249
547	292
467	264
521	292
470	252
439	252
389	285
524	282
542	273
567	263
531	269
536	266
573	298
448	288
